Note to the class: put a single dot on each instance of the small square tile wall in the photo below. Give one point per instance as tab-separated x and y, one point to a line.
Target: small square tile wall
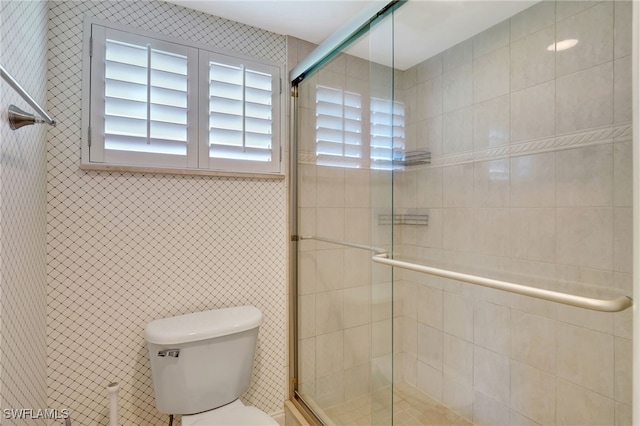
124	249
23	182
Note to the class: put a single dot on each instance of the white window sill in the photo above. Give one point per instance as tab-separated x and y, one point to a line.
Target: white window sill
170	171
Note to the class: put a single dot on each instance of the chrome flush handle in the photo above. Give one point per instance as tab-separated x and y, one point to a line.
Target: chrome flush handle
175	353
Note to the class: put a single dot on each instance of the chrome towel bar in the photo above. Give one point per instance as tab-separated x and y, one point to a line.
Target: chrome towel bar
613	305
382	256
17	117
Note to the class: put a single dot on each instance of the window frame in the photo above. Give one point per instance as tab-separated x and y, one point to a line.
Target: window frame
197	116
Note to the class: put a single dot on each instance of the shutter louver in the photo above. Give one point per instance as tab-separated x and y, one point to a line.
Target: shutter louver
240	113
338	127
145	95
387	132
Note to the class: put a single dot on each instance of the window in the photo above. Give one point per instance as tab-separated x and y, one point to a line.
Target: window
340	128
240	107
387	133
157	102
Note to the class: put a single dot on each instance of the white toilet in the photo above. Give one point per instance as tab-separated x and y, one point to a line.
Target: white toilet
201	363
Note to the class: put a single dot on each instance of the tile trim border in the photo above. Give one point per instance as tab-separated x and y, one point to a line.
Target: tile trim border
596	136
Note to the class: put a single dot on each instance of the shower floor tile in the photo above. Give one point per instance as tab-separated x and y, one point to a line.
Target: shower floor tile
411	407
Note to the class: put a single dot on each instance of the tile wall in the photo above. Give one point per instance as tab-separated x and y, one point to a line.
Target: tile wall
530	182
124	249
23	182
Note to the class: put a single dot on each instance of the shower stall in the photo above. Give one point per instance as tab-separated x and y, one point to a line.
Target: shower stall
462	216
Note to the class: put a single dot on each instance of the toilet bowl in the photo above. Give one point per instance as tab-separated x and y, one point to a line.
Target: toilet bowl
201	363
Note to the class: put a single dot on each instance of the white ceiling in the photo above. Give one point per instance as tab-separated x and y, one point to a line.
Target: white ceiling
310	20
422	28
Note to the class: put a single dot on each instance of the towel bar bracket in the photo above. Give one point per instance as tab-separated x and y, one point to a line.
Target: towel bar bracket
19	118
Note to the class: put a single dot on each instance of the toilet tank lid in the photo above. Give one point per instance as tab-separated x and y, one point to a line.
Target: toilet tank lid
202	325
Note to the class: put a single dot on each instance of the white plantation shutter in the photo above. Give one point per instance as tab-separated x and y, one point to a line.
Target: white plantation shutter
144	114
338	127
161	102
387	132
239	119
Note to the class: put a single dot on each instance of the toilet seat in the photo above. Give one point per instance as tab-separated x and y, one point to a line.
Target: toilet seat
234	414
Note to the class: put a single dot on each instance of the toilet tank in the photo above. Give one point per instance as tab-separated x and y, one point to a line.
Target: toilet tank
203	360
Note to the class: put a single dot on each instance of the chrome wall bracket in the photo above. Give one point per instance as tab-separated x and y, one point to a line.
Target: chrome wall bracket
19	118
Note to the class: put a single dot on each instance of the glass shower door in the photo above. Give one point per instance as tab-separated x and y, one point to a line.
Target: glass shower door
345	145
495	141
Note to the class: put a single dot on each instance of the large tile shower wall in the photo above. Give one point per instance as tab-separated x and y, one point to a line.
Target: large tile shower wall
530	182
126	248
23	184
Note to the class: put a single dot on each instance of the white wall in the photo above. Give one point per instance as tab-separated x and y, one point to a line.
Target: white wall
127	248
23	359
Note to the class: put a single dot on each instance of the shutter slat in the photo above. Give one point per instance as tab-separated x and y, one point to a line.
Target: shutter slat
258	111
351	138
166	80
126	53
352	126
258	96
125	72
237	153
168	97
225	137
168	114
225	74
169	131
125	108
258	140
169	62
332	96
156	146
125	126
124	90
259	80
332	135
258	125
229	106
328	122
352	151
225	90
225	121
328	148
327	108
